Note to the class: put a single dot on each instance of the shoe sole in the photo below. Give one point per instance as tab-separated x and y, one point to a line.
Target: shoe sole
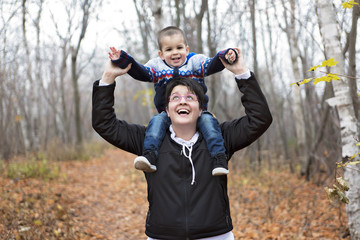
219	171
142	164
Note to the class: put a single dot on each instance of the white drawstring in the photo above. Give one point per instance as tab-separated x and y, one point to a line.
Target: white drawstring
190	159
186	145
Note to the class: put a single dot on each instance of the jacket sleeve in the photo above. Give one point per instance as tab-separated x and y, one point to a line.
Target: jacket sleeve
137	71
214	65
240	133
129	137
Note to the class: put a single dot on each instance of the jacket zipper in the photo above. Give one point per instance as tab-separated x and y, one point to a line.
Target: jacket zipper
185	203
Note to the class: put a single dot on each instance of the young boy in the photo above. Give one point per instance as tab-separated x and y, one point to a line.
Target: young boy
175	61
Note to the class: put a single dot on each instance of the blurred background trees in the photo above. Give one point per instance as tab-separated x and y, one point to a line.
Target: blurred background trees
52	51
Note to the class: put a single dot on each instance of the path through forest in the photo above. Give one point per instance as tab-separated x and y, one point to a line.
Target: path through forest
106	199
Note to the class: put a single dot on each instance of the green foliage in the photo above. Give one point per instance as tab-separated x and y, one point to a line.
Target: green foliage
58	151
141	94
1	166
33	168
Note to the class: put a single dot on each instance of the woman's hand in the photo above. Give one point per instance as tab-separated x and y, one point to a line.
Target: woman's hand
112	71
237	67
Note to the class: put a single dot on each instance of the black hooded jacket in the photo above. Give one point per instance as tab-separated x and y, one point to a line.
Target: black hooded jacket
178	209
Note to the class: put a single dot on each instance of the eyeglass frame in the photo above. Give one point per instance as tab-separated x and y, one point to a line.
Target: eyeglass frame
195	98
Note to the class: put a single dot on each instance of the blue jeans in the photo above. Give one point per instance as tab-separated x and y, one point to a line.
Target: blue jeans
207	124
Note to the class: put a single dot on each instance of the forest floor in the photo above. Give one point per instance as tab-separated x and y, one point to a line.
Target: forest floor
105	198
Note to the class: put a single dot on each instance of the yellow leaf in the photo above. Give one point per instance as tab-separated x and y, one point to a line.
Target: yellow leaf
354	163
333	76
314	68
342	184
359	94
18	118
326	78
353	156
343	197
38	222
302	81
357	144
321	79
348	4
330	62
331	193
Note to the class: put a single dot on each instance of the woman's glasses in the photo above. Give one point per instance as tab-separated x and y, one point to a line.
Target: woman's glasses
187	97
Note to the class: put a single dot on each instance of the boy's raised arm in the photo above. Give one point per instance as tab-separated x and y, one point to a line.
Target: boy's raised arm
138	71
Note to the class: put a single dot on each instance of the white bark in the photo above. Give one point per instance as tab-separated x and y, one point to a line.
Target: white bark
342	102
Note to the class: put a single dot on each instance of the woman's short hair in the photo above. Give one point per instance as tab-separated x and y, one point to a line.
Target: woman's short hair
191	84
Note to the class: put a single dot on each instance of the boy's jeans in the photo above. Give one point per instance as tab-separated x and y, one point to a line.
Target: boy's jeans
207	124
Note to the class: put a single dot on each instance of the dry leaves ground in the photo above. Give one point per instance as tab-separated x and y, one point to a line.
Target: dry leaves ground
106	199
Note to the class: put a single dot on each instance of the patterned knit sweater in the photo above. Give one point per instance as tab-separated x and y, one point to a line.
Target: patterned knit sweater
196	66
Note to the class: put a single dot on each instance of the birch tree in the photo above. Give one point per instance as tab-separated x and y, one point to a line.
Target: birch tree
343	103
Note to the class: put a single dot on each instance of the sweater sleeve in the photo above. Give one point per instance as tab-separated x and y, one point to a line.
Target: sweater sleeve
137	70
129	137
214	65
240	133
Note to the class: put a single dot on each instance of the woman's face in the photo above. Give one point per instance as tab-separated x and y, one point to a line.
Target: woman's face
183	108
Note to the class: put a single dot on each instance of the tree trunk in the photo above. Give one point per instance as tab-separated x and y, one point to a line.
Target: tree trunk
86	4
255	67
157	14
25	106
199	19
344	105
278	109
295	57
145	30
352	59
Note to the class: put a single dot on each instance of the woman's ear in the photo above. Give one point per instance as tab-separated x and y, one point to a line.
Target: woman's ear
167	111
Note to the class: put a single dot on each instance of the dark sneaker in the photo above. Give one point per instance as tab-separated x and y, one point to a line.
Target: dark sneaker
220	165
145	163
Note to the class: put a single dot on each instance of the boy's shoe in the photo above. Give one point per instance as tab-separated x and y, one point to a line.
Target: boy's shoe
220	164
144	163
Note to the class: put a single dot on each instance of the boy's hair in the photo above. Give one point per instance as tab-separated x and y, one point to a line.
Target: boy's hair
191	84
169	31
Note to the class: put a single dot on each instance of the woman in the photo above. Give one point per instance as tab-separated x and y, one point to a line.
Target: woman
185	200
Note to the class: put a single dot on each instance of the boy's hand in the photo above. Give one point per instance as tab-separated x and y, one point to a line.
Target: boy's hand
239	66
114	54
230	56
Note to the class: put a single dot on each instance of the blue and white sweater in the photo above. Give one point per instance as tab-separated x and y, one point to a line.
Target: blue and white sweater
196	66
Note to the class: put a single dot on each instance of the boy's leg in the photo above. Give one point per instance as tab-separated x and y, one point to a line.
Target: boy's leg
210	129
154	136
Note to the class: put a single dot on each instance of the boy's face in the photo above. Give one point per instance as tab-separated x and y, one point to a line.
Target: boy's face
173	50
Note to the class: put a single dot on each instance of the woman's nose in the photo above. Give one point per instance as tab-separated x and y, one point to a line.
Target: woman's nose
182	100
